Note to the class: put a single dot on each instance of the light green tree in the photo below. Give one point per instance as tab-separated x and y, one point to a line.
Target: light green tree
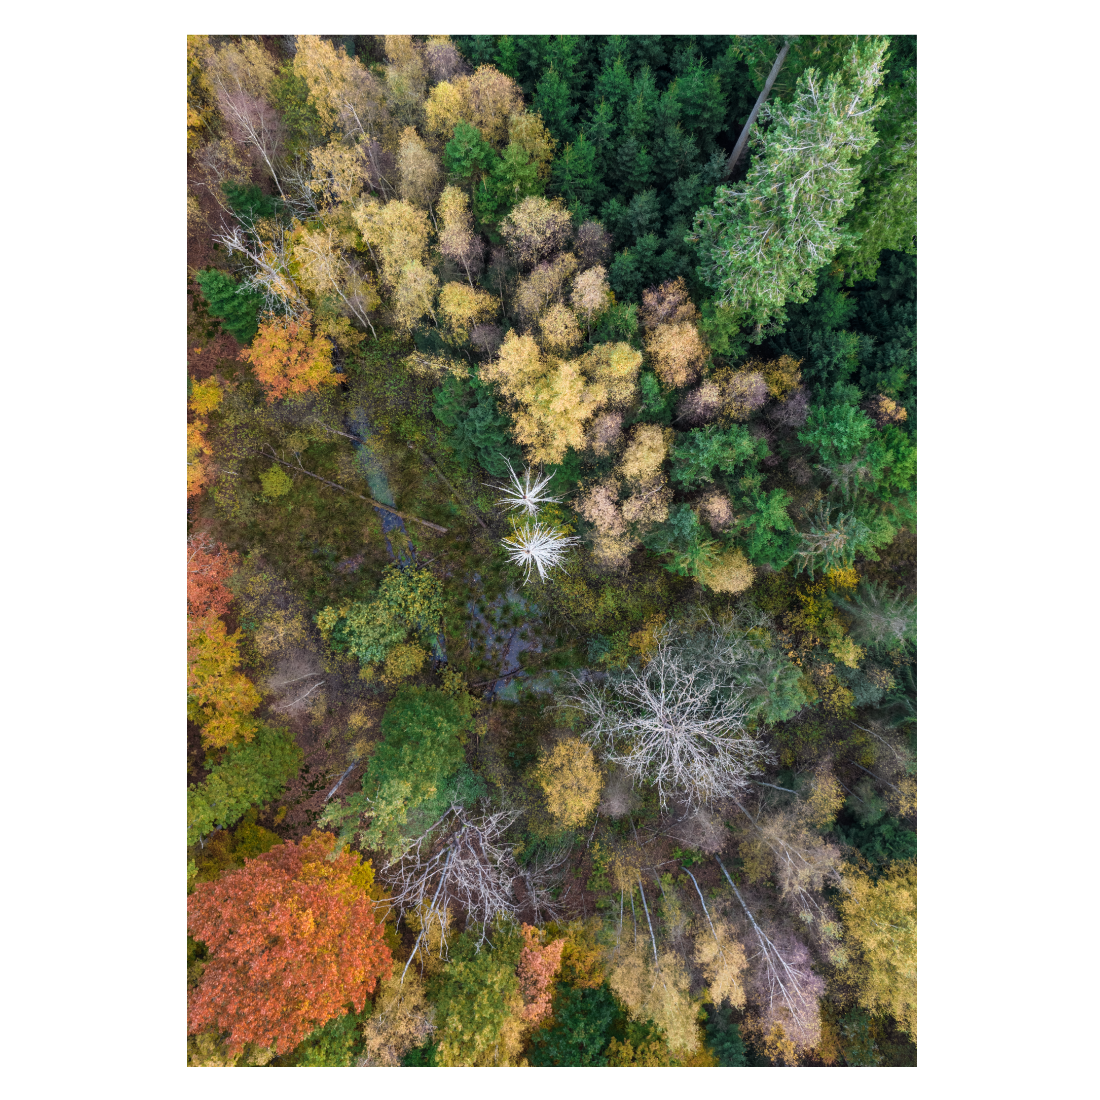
762	243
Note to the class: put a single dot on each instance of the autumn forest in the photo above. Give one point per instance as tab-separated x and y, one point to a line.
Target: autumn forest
551	551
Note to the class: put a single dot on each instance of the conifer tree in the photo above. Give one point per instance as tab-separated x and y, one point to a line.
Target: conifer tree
763	243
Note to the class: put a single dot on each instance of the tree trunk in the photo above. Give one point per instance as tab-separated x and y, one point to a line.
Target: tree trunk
374	503
743	140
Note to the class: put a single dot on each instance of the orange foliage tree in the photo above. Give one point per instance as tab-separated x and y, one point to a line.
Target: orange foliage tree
291	940
288	358
218	696
209	566
536	970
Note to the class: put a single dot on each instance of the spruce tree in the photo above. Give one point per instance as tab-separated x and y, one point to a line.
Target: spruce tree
236	306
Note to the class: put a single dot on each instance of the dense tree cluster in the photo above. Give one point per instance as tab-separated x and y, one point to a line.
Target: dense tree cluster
551	494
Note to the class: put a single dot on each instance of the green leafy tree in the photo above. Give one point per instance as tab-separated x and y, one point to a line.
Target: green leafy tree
408	599
238	307
338	1043
250	773
423	733
476	995
763	243
583	1019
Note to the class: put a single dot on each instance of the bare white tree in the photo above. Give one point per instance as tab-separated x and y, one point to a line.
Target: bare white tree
540	878
459	862
678	722
269	272
784	985
527	494
535	545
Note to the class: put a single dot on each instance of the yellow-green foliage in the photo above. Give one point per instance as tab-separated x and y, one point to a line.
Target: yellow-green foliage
402	662
880	924
571	781
275	482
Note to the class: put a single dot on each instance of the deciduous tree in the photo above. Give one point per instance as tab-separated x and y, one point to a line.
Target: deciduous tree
218	696
292	939
287	358
880	925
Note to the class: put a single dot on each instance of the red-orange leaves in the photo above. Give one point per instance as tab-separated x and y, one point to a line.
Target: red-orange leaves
209	566
287	358
536	970
292	940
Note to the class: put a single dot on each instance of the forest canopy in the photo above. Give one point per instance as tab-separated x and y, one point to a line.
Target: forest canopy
551	498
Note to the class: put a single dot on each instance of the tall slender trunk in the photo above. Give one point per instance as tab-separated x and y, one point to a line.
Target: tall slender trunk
743	140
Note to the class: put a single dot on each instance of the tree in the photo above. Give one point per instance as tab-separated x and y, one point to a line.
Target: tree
763	243
243	78
657	989
326	267
406	600
402	1019
199	467
209	566
292	939
880	924
218	696
677	723
700	453
423	731
457	239
249	774
478	431
535	970
886	215
478	1003
460	862
236	306
418	171
881	619
536	229
287	358
571	782
582	1022
784	989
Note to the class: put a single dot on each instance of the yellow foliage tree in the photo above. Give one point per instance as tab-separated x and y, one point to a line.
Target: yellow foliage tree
571	781
880	925
461	307
418	170
729	572
678	353
219	697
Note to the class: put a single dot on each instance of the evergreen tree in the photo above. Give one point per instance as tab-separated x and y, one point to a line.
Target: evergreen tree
763	243
238	307
583	1019
479	433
